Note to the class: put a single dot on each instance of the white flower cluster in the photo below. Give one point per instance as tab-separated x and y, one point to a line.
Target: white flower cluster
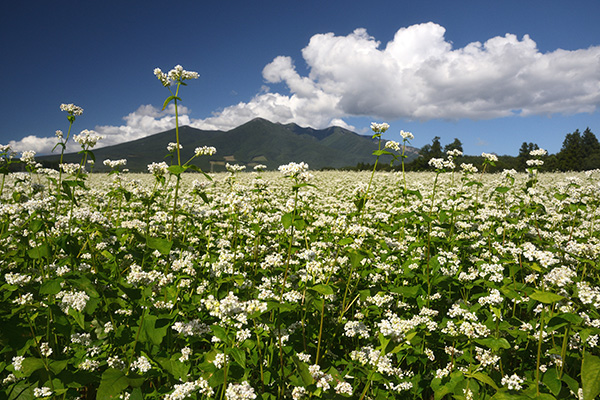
172	146
72	168
538	153
391	144
454	153
115	163
71	109
28	157
379	128
356	328
240	391
186	389
87	138
16	279
406	135
588	294
142	365
235	168
397	327
177	74
494	298
512	382
320	377
468	168
534	163
72	299
231	308
293	169
489	157
560	276
44	391
158	169
440	163
205	151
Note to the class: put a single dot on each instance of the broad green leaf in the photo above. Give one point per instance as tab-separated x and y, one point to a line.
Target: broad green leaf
112	384
150	332
239	356
590	376
40	251
502	189
546	297
552	381
30	365
168	100
323	289
78	317
286	220
176	169
483	378
52	286
494	343
219	332
160	244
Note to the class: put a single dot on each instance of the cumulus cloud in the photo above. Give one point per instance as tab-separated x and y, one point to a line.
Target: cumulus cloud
418	75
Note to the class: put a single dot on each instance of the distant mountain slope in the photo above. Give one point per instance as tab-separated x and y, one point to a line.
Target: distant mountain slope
255	142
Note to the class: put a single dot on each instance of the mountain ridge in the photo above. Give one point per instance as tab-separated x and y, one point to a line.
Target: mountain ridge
257	141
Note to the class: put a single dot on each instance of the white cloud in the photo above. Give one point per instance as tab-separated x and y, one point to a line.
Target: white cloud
31	142
417	75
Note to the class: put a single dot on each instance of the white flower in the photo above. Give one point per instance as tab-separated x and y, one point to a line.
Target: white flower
538	153
390	144
71	109
44	391
158	169
241	391
45	349
512	382
379	128
28	157
141	364
490	157
205	151
406	135
17	362
87	138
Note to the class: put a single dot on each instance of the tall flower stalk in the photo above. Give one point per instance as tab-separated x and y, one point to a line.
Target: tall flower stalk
176	77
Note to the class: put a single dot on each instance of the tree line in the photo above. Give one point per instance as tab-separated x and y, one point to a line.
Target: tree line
579	152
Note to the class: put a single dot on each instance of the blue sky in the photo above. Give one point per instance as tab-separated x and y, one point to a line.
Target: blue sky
492	73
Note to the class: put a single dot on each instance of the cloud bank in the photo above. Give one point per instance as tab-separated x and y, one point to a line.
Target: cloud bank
416	76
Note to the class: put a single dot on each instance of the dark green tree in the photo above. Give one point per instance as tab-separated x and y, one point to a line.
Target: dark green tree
590	150
570	155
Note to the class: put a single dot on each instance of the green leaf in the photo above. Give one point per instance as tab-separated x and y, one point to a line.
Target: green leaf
546	297
345	241
30	365
219	332
176	169
494	343
286	220
590	376
160	244
323	289
502	189
112	384
40	251
78	317
481	377
168	100
552	381
239	356
150	332
52	286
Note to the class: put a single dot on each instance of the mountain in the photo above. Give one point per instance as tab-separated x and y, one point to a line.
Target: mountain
256	142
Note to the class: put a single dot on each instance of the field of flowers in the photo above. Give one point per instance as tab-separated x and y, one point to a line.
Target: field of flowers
450	284
280	285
